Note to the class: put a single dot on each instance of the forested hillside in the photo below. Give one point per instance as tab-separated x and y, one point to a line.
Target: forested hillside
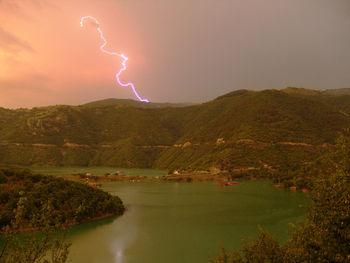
70	202
251	128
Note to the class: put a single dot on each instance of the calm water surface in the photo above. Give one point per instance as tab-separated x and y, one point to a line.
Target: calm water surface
184	222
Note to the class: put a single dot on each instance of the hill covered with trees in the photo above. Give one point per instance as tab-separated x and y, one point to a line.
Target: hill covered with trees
70	202
250	128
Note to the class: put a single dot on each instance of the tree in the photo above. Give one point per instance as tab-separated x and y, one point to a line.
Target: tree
265	248
325	237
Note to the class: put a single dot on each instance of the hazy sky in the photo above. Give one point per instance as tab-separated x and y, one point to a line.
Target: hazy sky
179	50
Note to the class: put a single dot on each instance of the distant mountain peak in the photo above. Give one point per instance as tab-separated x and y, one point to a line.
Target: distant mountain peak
312	92
240	92
133	103
301	91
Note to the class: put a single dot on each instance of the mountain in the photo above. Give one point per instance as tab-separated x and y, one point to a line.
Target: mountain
128	102
310	92
250	128
257	129
337	92
339	98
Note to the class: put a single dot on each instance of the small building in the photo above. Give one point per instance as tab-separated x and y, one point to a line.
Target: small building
94	184
220	141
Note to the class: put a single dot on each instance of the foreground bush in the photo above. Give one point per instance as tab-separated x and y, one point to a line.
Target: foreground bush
19	243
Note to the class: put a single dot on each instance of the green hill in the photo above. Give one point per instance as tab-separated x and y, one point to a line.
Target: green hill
250	128
339	98
267	127
71	202
337	92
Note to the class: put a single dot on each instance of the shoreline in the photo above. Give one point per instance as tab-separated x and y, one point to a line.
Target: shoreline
185	177
71	224
95	180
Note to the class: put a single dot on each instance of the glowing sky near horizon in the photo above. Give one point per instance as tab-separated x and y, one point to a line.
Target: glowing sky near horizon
121	55
180	51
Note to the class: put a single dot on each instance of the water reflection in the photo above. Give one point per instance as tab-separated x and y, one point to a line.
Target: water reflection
78	230
178	222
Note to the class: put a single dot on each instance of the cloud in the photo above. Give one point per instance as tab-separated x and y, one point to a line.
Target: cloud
13	44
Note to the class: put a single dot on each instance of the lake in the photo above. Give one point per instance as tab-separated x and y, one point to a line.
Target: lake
184	222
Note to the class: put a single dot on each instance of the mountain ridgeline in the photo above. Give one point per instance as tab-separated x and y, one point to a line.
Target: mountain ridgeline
249	128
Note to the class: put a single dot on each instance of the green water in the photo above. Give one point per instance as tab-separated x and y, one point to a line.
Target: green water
184	222
56	170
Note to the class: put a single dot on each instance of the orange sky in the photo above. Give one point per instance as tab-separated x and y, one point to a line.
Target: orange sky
47	58
184	50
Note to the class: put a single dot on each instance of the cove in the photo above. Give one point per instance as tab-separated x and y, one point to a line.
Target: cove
184	222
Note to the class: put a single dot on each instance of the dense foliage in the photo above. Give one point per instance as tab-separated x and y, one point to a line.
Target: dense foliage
18	244
71	202
325	236
252	128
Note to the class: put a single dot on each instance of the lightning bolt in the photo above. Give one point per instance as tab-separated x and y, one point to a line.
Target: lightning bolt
125	58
